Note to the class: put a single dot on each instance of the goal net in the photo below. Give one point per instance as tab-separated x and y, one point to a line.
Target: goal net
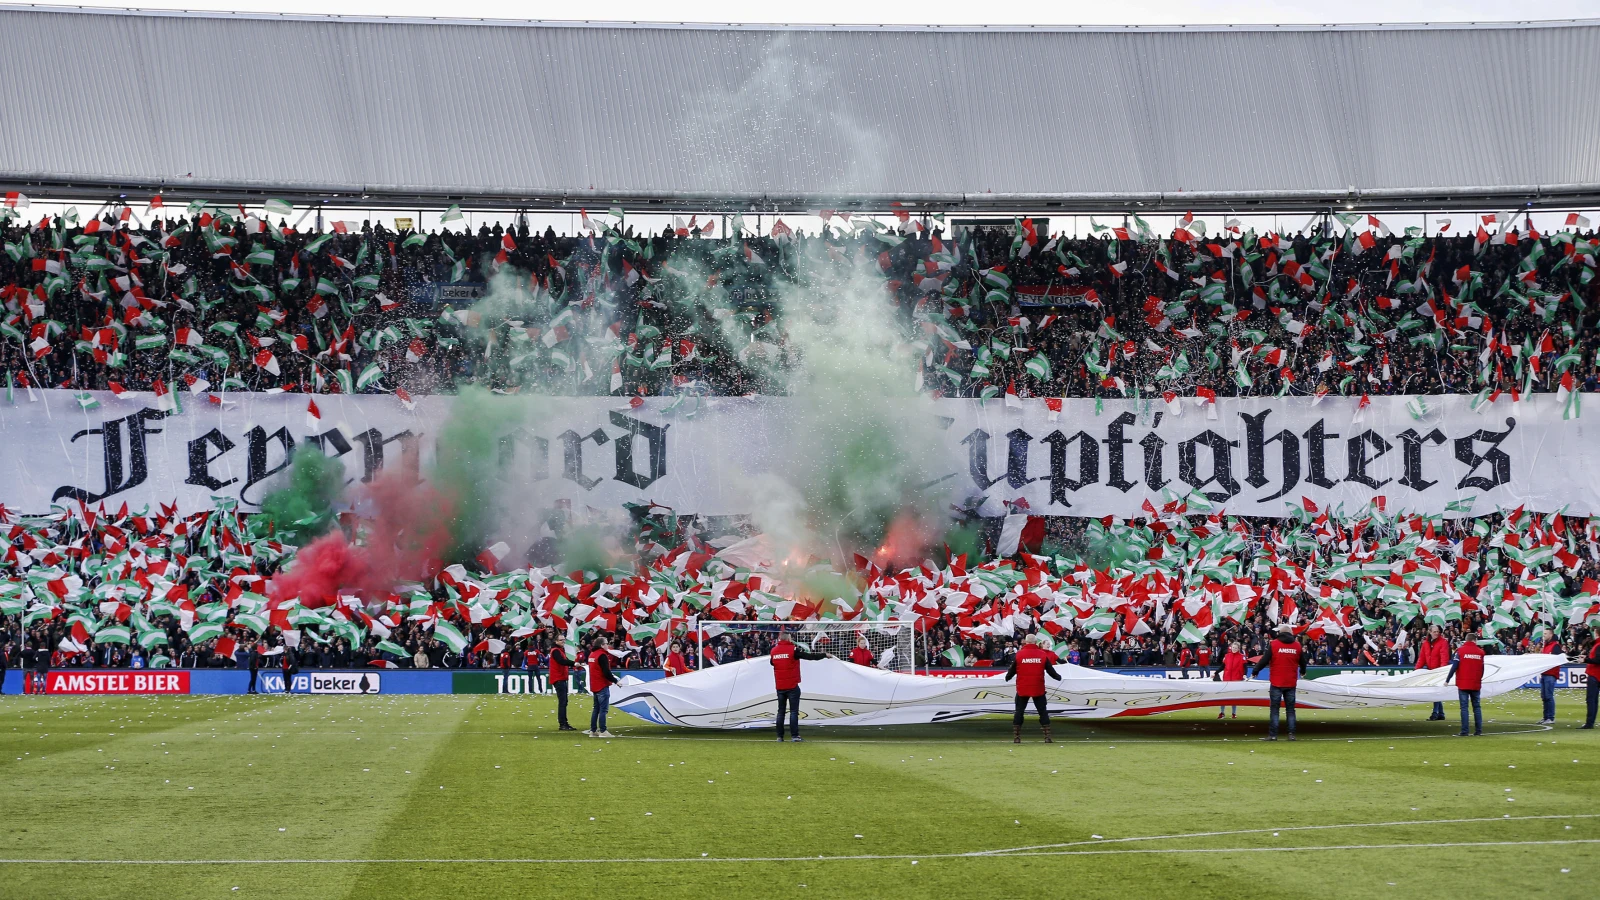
892	644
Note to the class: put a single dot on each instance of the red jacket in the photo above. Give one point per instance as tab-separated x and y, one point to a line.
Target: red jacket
1285	663
785	665
1030	667
675	664
1433	653
597	673
861	656
1469	667
1233	666
1552	646
558	664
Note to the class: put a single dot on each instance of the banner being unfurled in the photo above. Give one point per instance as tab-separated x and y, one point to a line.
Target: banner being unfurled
1253	456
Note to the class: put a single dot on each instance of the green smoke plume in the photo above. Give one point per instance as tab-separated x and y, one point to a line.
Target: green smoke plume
465	470
303	507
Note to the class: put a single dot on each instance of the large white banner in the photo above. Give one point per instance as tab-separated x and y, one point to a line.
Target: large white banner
1253	456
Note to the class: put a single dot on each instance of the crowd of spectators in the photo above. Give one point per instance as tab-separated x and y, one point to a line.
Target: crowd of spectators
218	301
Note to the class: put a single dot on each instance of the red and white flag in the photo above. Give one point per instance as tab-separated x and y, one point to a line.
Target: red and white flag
313	415
267	361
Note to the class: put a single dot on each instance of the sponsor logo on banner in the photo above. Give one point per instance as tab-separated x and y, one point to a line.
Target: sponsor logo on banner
69	682
341	682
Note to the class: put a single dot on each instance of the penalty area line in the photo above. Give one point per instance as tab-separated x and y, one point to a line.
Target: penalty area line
875	857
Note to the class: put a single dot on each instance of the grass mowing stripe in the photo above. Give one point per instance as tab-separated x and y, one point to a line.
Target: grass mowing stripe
870	857
1200	834
1035	850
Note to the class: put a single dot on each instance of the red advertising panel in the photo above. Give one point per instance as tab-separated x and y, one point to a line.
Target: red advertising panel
149	682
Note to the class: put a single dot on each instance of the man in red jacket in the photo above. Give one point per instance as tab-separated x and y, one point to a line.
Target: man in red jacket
1591	672
785	658
600	681
1286	661
1547	680
1467	670
1031	664
1231	669
560	673
1433	652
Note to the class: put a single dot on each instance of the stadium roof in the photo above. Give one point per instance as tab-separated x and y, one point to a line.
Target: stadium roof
537	114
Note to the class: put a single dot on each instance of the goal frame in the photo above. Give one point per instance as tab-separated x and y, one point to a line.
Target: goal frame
906	642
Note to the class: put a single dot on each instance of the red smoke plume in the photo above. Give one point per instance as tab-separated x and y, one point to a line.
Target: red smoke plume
405	541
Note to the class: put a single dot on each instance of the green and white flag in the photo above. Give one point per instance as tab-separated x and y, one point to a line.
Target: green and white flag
278	208
1039	367
205	631
453	214
957	657
392	647
446	634
149	342
369	376
256	622
113	634
86	400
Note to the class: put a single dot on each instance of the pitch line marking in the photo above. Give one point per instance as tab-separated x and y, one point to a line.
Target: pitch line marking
1200	834
975	854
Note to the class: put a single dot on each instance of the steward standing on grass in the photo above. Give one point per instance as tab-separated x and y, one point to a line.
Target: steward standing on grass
785	658
255	665
1286	662
1433	652
1467	671
1547	681
600	681
1591	674
1029	667
1231	668
560	672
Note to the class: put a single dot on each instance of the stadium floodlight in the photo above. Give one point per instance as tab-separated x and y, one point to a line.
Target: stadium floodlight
893	643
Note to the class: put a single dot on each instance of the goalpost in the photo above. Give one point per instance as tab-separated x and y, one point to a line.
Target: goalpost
893	644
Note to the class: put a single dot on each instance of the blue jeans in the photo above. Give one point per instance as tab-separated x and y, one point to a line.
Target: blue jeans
1547	694
1477	712
1438	710
602	702
790	700
1286	697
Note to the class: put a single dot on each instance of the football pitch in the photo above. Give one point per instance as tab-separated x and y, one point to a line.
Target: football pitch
480	796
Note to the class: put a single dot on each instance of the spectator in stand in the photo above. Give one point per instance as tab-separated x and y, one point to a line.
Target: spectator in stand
1433	652
533	664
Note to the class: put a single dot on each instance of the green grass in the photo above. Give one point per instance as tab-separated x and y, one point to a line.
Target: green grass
467	786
